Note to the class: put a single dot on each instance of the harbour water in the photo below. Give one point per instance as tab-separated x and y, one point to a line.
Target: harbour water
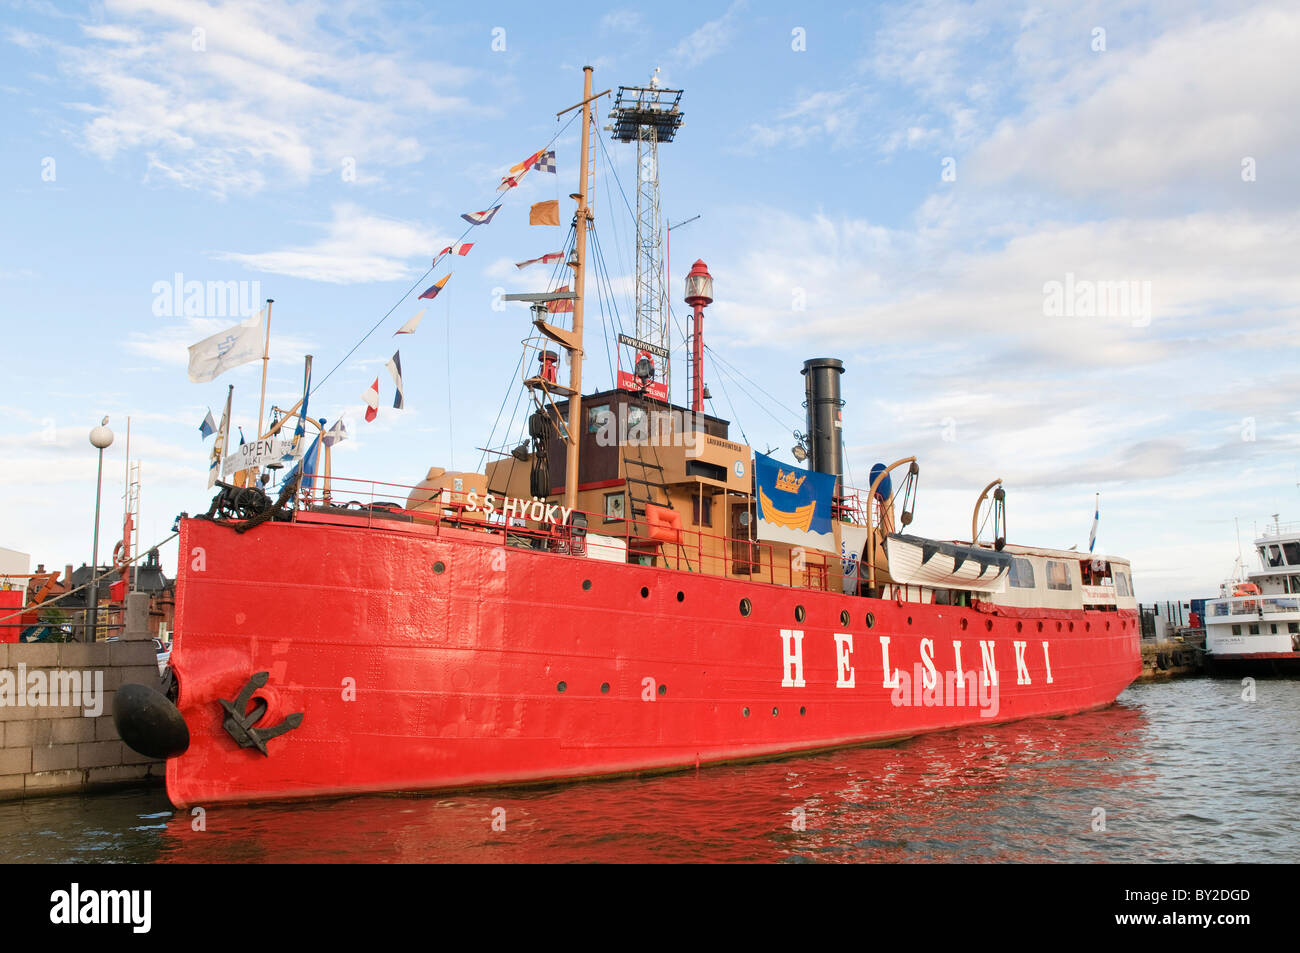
1186	771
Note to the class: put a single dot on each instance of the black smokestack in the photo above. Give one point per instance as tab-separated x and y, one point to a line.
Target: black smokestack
825	416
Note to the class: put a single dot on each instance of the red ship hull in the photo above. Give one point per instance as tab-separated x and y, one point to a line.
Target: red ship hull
427	657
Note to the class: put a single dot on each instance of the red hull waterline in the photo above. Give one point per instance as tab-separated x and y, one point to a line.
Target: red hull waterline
425	659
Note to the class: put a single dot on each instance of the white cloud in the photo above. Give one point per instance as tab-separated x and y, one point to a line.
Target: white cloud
828	114
1179	114
622	21
357	247
709	39
276	90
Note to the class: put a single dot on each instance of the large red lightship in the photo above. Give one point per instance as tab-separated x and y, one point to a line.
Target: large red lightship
592	606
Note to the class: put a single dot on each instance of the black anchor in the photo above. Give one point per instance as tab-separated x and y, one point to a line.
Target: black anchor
239	723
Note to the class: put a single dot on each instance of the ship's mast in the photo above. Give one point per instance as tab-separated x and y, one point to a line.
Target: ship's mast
649	115
579	265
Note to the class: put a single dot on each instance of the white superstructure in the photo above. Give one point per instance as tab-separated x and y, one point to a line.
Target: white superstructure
1260	617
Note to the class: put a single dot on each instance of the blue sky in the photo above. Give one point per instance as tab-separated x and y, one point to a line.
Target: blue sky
916	175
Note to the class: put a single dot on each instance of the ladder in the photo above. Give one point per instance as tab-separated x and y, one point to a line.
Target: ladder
648	489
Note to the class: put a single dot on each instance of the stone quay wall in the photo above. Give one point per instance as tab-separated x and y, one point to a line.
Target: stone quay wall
51	748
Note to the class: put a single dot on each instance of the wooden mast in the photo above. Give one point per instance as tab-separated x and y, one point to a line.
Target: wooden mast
580	283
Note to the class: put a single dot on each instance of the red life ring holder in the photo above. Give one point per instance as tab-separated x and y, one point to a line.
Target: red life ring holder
119	559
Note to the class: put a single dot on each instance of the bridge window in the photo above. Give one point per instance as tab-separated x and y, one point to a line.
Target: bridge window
597	417
1274	557
1058	575
1292	553
1122	586
1022	573
1236	630
702	510
1254	628
636	426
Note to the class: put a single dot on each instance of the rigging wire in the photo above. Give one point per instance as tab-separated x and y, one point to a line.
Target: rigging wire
742	389
420	280
604	316
797	417
501	410
734	415
451	416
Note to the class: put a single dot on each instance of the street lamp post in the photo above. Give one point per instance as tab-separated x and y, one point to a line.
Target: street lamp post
100	438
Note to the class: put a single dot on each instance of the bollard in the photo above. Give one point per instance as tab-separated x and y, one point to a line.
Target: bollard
137	617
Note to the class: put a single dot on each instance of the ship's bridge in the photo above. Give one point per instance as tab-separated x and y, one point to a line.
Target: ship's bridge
1279	558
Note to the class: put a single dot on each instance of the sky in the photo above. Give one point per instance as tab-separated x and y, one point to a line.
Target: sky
947	196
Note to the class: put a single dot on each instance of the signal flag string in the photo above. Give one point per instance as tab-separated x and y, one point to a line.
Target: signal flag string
421	279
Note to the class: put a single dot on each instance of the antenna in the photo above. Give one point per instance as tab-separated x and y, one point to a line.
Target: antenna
648	115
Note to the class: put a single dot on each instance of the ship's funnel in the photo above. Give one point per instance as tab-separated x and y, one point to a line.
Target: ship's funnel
825	416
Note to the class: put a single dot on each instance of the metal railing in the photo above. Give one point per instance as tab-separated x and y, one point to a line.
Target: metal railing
1253	605
379	503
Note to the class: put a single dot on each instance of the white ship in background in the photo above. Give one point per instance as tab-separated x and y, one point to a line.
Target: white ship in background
1253	628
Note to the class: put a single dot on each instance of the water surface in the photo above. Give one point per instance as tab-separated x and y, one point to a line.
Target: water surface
1183	771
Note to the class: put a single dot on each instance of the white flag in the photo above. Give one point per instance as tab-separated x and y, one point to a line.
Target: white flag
394	366
337	433
218	448
226	349
410	326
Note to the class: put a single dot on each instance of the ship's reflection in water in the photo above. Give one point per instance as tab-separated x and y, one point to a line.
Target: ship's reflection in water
1176	772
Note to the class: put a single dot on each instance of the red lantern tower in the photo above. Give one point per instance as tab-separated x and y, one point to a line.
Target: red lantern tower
699	292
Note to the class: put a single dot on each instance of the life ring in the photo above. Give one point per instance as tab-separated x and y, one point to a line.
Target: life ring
119	558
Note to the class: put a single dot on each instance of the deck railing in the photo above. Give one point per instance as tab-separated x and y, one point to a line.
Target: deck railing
1253	605
696	550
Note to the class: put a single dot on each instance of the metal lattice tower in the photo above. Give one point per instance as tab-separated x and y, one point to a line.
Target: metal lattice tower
648	115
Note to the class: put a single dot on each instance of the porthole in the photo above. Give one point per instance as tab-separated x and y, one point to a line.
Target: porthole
645	592
844	617
1071	626
439	567
561	687
988	625
681	597
871	620
963	623
1020	626
1107	625
775	710
909	620
798	613
604	688
745	712
1087	627
1058	627
803	710
745	607
663	689
586	585
1040	625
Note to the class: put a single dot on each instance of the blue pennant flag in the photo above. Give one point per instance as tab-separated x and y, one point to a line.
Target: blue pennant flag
308	466
209	426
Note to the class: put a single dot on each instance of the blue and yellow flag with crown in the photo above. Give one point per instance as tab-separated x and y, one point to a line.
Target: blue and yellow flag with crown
794	506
